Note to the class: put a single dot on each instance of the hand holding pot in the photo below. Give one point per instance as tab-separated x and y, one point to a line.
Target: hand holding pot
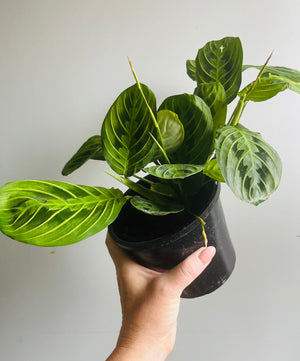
150	303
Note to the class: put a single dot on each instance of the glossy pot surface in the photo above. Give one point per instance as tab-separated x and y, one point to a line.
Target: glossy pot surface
161	242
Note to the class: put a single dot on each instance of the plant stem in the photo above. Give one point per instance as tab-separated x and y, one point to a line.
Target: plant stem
238	111
203	229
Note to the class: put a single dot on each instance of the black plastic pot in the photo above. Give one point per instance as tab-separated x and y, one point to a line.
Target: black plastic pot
161	242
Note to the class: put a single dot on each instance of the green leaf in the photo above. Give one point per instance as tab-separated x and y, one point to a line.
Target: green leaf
127	144
91	149
215	97
191	69
174	171
139	189
288	73
221	61
51	213
250	166
267	87
212	170
264	89
171	129
156	209
294	87
197	121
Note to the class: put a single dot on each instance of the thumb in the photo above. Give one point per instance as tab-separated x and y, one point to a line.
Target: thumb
185	272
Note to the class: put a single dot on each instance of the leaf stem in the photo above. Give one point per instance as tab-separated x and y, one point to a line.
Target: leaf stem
161	143
143	179
203	229
238	111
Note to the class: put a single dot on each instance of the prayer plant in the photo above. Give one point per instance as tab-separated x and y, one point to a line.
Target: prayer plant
187	135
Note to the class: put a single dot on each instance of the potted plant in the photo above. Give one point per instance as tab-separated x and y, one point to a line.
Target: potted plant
186	147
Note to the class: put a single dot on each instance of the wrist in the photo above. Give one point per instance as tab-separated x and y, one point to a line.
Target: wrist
134	346
128	353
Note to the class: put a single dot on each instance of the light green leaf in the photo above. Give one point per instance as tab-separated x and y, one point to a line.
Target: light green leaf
51	213
267	87
171	129
294	87
250	166
191	69
197	121
212	170
174	171
127	144
156	209
264	89
221	61
91	149
215	97
288	73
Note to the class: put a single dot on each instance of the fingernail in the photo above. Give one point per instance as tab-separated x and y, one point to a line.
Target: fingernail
206	254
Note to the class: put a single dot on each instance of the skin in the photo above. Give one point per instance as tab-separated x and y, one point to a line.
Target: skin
150	304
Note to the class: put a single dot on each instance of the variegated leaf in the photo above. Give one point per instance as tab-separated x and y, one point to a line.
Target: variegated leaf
191	69
221	61
156	209
197	121
215	97
51	213
250	166
174	171
127	144
91	149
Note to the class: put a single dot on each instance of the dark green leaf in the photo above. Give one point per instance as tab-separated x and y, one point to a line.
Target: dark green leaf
91	149
50	213
174	171
163	189
212	170
156	209
197	121
215	97
191	69
127	144
250	166
221	61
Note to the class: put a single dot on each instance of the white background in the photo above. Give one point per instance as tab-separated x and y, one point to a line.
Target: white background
62	64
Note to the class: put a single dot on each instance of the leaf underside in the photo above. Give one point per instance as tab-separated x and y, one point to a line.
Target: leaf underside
52	213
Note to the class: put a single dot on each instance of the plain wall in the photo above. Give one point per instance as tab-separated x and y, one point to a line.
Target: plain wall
62	64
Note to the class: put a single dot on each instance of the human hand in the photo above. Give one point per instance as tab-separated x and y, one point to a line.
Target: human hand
150	303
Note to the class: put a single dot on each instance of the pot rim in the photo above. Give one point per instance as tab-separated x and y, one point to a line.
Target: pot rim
171	237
